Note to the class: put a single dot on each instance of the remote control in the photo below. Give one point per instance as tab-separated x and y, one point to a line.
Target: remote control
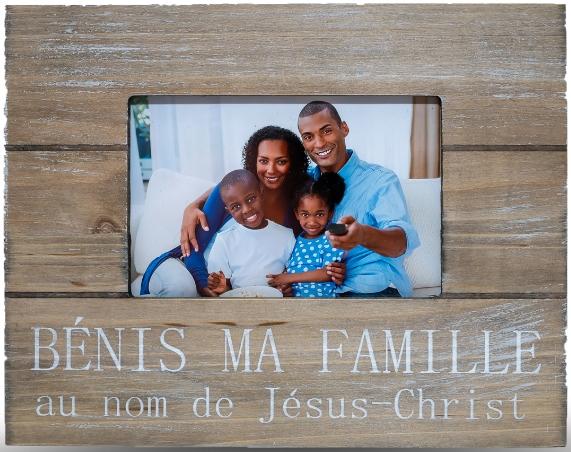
337	228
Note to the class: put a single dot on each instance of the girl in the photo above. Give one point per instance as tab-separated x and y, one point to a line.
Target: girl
314	205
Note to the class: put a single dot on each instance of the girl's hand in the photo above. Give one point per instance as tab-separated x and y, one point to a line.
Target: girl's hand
286	290
217	282
192	217
337	271
278	280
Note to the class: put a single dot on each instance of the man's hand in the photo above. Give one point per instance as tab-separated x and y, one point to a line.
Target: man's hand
217	282
390	242
350	240
192	217
337	271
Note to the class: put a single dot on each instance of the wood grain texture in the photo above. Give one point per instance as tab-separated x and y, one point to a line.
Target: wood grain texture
66	221
499	69
296	327
504	222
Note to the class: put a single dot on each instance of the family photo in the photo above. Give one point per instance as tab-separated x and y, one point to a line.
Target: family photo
285	196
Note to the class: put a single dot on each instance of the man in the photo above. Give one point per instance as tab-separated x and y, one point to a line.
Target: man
379	231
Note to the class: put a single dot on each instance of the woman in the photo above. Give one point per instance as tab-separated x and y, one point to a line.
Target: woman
277	157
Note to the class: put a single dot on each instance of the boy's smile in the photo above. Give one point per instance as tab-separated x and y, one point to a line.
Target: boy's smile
244	202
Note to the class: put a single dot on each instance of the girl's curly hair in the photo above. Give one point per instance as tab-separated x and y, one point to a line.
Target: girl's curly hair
330	187
297	157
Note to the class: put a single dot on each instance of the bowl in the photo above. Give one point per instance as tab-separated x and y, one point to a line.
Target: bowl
253	292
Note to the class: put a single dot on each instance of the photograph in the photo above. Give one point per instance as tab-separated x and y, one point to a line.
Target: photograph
289	196
286	225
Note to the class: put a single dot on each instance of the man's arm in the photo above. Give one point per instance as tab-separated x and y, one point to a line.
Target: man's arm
390	242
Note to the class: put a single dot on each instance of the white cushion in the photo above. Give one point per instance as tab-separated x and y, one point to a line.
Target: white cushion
423	200
171	279
168	193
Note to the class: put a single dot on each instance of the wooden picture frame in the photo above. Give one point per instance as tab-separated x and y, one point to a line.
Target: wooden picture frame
499	71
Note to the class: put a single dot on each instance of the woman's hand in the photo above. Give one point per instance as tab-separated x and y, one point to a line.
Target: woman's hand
192	217
337	271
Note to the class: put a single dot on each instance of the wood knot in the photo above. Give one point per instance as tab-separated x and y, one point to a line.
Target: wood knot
105	225
78	283
224	323
271	323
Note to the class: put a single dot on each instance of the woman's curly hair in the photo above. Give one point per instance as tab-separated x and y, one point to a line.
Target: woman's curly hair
297	157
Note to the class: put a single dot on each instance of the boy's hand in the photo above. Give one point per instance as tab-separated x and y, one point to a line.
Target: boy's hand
217	282
206	292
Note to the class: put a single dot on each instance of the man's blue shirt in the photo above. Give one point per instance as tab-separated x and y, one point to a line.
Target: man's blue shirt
373	195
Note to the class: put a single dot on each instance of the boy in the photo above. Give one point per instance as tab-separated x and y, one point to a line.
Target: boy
244	254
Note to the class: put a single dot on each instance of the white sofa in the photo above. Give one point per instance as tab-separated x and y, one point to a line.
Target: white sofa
168	193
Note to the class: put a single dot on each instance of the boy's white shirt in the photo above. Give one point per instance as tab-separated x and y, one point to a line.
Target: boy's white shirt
246	255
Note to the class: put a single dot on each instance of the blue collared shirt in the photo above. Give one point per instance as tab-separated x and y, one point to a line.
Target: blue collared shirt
374	196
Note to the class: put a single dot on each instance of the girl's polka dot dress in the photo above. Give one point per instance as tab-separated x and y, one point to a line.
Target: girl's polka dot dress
313	254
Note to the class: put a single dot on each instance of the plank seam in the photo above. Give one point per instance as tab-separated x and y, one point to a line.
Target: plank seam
125	148
66	148
504	148
67	295
444	296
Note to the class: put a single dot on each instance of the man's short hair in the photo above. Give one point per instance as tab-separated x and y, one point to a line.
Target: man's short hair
317	106
239	176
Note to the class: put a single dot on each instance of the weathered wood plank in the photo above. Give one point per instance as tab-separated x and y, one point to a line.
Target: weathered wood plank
504	222
66	222
296	326
499	69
